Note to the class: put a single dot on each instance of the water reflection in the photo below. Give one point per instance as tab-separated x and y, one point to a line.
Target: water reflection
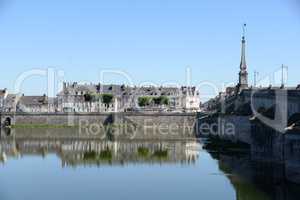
174	169
78	151
257	180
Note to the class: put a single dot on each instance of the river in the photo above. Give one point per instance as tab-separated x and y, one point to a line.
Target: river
48	167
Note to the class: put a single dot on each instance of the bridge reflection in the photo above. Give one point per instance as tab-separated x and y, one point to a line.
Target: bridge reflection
254	179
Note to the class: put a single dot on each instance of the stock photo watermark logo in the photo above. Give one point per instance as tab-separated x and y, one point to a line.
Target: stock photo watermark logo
271	105
145	128
55	79
55	82
221	128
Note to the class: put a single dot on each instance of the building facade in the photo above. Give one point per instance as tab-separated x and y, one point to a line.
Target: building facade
36	104
9	103
3	95
94	98
120	98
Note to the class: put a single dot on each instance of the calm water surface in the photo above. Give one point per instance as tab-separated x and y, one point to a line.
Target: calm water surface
73	168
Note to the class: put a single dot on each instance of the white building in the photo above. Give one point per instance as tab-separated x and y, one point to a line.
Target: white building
89	98
93	98
85	98
3	95
36	104
7	101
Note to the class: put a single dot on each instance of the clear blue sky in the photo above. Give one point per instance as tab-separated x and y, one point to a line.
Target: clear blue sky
150	40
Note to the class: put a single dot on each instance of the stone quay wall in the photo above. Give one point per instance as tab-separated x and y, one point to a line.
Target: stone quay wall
228	127
156	125
116	125
65	118
51	119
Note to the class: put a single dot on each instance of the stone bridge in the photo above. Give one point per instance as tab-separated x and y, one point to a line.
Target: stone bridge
286	99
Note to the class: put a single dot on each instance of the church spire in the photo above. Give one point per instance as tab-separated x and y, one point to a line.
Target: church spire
243	65
243	75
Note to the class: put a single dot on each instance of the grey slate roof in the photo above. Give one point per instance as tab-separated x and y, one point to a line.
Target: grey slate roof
33	100
11	98
122	90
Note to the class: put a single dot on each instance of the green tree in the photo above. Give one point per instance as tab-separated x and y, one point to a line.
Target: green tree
144	101
165	100
88	97
107	98
157	100
162	100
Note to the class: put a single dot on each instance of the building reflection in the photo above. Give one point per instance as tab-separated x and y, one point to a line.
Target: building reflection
77	151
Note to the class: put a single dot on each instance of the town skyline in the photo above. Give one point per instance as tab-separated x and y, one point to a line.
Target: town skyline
56	82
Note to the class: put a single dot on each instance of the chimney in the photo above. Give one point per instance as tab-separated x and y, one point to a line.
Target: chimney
45	98
64	86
